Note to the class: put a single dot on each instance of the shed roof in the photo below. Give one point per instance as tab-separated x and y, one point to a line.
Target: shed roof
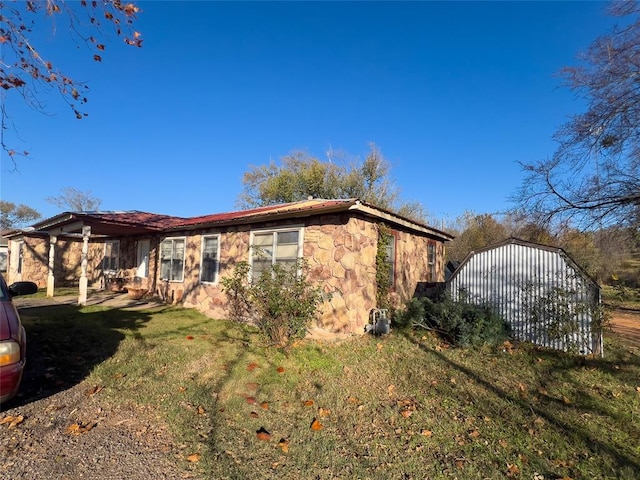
518	241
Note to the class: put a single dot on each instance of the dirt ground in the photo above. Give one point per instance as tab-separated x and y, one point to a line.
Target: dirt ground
626	323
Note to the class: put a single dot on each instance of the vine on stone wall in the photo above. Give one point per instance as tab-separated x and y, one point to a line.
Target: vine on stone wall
383	268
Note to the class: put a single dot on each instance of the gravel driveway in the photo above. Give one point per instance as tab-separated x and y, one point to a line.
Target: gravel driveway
64	431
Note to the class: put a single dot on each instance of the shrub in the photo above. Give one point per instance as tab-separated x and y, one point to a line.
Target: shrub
281	302
460	323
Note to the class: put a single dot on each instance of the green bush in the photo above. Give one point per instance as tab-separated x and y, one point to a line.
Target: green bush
460	323
281	302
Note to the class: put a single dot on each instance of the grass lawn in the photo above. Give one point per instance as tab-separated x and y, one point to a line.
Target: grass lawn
400	407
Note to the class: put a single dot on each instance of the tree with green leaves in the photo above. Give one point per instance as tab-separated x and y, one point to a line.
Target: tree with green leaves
300	175
25	70
13	216
474	231
593	178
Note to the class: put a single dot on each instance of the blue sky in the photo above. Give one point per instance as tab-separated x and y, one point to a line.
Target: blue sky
454	94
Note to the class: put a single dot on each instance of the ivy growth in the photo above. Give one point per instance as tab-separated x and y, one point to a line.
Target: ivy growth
383	267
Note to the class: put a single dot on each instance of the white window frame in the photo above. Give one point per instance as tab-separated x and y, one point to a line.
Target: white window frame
173	240
143	260
432	254
216	272
391	256
20	256
274	231
115	244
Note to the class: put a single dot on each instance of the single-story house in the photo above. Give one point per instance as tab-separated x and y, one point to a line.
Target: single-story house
539	290
183	259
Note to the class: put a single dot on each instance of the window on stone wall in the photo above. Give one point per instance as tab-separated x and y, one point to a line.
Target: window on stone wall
391	260
172	259
20	256
270	247
210	259
111	258
431	261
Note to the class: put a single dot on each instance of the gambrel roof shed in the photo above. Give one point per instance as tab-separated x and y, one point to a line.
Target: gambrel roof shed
539	290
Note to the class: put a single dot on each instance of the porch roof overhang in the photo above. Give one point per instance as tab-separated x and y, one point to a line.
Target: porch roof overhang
103	224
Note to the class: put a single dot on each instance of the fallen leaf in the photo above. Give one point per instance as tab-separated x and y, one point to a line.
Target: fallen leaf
353	401
426	433
79	428
379	346
250	400
265	405
512	470
308	403
93	390
474	434
254	414
391	389
252	366
316	425
182	389
284	444
324	412
406	413
189	337
12	421
453	381
280	369
503	443
566	400
201	410
263	434
194	457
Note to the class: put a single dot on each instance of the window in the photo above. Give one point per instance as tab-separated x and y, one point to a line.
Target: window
431	261
391	260
210	259
111	254
144	246
20	254
270	247
172	259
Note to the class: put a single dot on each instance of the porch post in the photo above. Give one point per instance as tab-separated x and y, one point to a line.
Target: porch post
52	255
82	298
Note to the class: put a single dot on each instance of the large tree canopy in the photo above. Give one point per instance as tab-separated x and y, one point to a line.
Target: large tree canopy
12	215
594	175
25	71
299	176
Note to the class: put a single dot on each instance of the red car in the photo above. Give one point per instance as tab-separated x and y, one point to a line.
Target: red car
13	339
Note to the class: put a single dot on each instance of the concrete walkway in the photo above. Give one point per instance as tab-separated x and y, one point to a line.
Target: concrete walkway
96	297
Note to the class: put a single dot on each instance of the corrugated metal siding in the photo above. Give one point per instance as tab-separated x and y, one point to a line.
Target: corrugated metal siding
519	281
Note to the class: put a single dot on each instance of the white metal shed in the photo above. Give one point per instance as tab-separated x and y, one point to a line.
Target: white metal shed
539	290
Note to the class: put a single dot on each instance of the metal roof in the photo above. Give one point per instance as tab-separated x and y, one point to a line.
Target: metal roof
125	223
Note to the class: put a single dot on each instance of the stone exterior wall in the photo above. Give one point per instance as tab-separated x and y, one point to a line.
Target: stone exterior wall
209	298
341	252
